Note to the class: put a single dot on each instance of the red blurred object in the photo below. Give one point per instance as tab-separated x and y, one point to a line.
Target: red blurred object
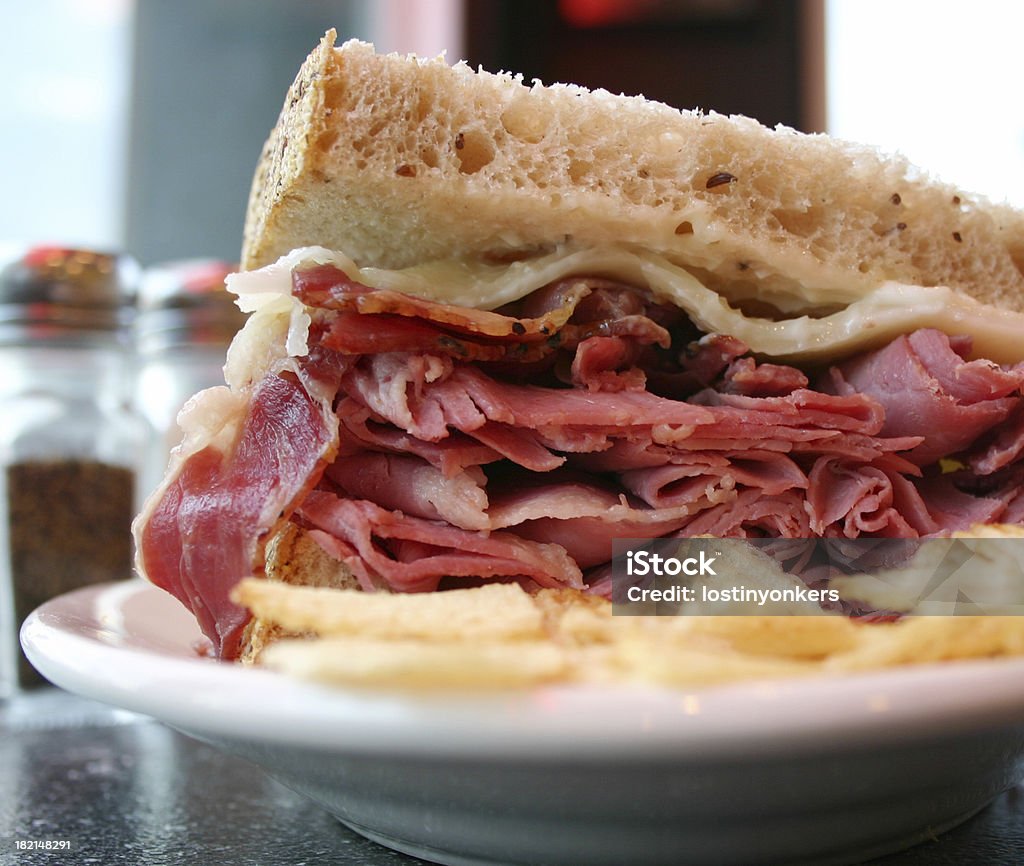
205	276
601	13
42	255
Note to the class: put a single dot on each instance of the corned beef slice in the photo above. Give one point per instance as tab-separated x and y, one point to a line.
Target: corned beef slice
927	389
516	444
205	533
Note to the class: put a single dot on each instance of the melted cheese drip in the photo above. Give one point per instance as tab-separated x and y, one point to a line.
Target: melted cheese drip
870	319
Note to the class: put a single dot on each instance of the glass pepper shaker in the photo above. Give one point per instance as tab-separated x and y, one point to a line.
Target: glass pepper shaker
186	321
71	446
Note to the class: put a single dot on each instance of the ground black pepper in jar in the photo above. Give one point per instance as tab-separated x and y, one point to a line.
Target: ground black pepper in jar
70	444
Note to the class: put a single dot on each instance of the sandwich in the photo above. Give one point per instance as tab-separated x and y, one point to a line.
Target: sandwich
495	325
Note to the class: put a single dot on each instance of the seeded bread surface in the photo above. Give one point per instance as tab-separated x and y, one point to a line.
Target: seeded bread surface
397	160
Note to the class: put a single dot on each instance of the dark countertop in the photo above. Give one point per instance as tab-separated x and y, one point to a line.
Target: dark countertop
127	790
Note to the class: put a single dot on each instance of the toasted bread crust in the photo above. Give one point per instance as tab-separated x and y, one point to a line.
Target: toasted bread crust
292	557
397	160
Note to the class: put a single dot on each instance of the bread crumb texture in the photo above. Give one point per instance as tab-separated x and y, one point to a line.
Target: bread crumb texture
397	160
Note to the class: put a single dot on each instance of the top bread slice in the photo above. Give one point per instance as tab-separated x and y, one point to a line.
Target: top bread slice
397	160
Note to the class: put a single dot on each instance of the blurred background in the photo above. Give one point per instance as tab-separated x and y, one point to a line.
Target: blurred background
136	124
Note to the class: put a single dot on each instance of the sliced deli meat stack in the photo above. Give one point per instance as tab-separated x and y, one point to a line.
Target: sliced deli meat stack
424	446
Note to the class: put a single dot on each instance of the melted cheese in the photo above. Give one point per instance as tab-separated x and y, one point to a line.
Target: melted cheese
867	319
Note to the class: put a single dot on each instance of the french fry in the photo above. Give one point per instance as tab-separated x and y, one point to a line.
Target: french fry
498	636
493	612
648	661
796	637
920	640
419	664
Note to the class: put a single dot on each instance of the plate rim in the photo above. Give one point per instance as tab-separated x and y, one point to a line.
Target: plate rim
214	699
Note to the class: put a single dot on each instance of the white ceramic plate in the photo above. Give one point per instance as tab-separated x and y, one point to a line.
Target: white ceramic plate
817	771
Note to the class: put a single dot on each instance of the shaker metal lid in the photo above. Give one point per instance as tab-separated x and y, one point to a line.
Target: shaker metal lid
53	290
185	302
